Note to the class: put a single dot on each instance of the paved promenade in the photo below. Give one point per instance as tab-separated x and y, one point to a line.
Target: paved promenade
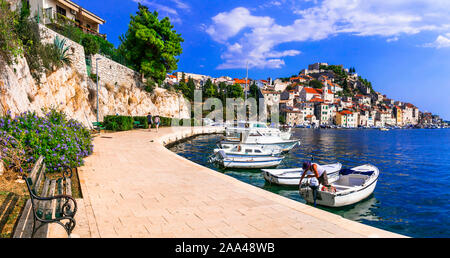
134	187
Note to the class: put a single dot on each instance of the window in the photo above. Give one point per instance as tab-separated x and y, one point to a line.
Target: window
257	151
248	151
60	10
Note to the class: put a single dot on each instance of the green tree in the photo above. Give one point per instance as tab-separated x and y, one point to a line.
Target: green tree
235	91
222	91
209	90
90	44
151	45
316	84
254	91
190	89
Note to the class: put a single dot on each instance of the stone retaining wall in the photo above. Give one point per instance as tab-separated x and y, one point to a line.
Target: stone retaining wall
113	73
75	50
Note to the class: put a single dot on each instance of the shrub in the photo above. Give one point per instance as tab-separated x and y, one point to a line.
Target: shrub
62	142
149	85
93	77
142	120
125	123
10	44
118	123
91	46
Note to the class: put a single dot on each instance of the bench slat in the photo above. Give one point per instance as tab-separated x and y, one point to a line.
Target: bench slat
38	183
59	202
41	204
68	186
50	205
35	171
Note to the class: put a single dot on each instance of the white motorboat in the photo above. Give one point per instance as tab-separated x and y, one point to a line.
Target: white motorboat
352	185
246	162
242	150
256	138
291	177
261	128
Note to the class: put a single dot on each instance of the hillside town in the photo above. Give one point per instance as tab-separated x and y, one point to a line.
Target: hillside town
327	96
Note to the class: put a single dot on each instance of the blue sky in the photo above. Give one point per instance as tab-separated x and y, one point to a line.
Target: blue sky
402	46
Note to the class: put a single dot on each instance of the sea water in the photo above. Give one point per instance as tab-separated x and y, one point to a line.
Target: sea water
412	196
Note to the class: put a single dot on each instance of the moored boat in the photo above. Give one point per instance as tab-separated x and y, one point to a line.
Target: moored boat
243	150
226	161
291	177
351	186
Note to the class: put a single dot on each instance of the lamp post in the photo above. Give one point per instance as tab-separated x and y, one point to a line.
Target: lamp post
96	66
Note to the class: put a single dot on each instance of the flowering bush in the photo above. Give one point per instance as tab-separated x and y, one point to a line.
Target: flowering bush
62	142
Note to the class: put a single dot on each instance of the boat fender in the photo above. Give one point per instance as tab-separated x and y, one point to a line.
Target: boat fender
330	189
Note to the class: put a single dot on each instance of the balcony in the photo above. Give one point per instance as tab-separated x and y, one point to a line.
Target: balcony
58	19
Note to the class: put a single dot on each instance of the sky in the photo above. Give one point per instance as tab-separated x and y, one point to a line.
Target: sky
401	46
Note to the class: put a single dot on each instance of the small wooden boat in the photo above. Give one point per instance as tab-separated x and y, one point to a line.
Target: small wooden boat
291	177
351	186
246	162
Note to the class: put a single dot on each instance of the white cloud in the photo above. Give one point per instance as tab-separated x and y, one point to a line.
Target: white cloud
229	24
442	41
392	39
259	36
165	9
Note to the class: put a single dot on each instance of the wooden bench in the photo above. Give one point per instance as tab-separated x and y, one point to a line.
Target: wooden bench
51	199
98	126
138	124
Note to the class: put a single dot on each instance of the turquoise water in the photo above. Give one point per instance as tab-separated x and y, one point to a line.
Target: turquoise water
412	196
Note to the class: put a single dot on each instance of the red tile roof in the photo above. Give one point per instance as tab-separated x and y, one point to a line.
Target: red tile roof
345	112
316	99
241	81
310	90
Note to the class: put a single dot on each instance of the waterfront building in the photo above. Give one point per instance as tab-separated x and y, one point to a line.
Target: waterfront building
323	112
293	117
347	118
398	113
307	108
271	97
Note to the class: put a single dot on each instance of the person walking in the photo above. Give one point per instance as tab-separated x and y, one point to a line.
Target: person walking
149	121
157	121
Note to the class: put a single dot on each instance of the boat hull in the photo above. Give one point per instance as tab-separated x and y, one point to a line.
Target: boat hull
284	146
291	177
347	193
233	163
332	200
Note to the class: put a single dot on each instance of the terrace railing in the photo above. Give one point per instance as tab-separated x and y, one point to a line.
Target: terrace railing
52	17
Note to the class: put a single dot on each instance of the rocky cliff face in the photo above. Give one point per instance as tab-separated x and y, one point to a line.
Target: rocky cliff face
71	91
